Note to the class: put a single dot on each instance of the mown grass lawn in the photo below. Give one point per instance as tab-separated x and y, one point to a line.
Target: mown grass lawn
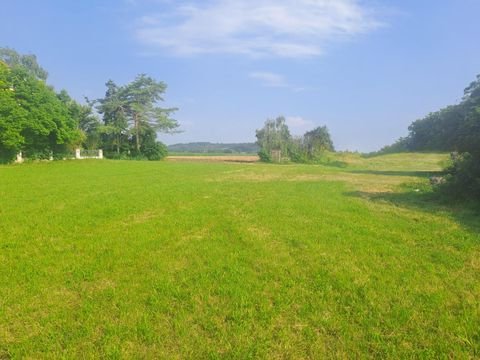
124	259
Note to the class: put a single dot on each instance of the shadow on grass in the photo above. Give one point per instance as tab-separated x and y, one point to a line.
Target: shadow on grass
423	174
337	164
466	214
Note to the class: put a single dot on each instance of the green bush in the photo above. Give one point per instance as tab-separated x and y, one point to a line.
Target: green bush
155	151
7	156
37	154
462	180
264	156
298	156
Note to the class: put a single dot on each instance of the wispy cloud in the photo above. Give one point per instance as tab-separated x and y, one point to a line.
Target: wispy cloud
269	79
281	28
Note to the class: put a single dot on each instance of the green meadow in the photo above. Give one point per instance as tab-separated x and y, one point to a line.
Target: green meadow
126	259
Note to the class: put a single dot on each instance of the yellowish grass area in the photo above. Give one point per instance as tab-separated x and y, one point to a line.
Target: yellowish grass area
375	175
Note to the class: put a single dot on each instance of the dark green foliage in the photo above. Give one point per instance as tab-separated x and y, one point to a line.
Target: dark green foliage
151	148
454	128
317	142
155	150
48	125
89	124
463	178
11	116
298	151
264	156
115	128
7	155
32	118
443	130
41	124
140	98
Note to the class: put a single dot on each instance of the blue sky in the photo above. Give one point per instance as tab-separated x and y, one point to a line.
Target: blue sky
366	69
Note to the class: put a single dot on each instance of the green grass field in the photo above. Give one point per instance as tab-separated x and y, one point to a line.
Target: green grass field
125	259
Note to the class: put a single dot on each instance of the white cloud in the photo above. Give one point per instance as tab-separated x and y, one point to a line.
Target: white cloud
298	124
269	79
282	28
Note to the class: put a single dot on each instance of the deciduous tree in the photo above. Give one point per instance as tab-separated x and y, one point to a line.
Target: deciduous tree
32	118
28	62
317	141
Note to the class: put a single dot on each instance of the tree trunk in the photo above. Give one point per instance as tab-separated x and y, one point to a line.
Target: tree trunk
137	136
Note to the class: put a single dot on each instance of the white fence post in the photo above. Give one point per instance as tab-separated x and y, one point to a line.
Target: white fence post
88	154
19	159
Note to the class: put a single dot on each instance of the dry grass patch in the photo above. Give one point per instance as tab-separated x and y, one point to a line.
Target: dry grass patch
357	181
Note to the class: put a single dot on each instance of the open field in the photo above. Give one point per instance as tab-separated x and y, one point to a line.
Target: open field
216	158
184	259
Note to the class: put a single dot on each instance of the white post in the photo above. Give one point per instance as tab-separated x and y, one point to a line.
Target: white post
19	159
77	154
100	153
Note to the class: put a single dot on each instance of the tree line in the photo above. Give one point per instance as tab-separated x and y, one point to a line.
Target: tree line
455	129
41	123
277	144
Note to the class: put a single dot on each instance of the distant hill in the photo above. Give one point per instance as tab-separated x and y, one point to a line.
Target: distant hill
207	147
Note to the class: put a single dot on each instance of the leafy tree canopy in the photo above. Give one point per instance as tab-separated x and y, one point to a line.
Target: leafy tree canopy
274	135
32	118
453	128
39	122
131	114
28	62
318	140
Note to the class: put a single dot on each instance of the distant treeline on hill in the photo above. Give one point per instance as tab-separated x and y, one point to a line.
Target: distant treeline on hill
207	147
